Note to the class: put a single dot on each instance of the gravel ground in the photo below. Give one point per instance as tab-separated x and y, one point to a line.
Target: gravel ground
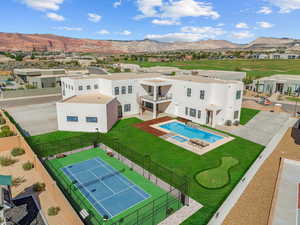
254	206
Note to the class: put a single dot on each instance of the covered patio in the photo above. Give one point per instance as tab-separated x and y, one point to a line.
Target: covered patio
156	98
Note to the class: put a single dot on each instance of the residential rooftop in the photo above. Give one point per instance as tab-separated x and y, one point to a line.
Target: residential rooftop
156	76
282	77
199	79
119	76
89	99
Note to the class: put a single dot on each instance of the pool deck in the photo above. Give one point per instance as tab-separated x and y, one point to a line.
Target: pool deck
152	126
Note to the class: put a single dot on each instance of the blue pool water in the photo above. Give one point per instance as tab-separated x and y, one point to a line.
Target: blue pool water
190	132
180	139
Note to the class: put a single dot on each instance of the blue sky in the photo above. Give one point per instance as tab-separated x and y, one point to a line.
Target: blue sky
163	20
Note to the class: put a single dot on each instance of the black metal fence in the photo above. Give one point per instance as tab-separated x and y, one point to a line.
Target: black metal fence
150	214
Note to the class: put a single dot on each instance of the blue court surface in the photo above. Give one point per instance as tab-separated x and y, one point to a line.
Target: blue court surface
107	189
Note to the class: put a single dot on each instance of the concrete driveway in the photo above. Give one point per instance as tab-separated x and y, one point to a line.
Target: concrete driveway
262	127
37	118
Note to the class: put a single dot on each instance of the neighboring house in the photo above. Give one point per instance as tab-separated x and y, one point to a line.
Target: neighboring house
40	78
284	56
127	67
260	56
96	102
283	84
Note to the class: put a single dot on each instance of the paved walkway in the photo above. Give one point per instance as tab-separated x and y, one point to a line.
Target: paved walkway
262	127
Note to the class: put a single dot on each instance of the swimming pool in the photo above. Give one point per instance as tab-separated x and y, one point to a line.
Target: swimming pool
191	132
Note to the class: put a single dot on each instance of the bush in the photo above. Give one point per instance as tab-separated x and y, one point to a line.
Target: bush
28	166
17	152
7	161
18	181
39	187
5	128
53	211
6	133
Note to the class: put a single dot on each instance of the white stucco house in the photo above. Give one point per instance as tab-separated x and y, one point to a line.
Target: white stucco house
96	102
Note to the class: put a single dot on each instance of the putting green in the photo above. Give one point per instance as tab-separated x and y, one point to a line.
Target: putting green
217	177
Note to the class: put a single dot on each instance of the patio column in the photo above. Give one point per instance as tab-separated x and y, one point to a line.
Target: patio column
155	93
213	118
154	110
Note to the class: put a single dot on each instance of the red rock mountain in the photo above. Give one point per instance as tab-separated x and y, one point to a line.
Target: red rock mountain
49	42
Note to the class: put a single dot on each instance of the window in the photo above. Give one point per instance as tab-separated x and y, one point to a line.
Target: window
193	112
202	94
189	92
91	119
199	114
186	111
117	91
72	118
127	108
96	86
236	115
149	89
130	89
238	94
80	88
123	90
88	87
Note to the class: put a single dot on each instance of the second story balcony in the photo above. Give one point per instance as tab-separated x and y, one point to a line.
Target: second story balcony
158	98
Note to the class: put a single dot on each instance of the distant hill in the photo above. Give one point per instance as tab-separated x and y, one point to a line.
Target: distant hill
49	42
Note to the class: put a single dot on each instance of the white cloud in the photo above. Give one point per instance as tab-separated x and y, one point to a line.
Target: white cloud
210	32
188	34
220	25
125	32
103	32
43	5
93	17
148	8
242	26
117	4
286	6
265	24
165	22
176	9
242	35
55	17
68	28
265	10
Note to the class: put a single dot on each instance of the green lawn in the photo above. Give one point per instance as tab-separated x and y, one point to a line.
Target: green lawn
219	176
293	99
247	115
159	201
254	68
179	160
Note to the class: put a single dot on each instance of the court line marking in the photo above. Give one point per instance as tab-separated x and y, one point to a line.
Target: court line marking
90	195
105	165
111	169
101	181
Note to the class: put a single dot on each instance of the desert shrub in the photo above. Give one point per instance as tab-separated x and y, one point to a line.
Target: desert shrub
7	161
39	187
28	166
6	133
53	211
18	181
5	128
17	152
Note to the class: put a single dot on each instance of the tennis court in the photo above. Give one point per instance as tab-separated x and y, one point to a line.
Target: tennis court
106	188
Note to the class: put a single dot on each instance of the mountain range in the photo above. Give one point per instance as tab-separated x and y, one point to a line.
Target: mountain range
50	42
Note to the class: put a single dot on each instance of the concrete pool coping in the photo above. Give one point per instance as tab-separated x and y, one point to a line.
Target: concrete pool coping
197	150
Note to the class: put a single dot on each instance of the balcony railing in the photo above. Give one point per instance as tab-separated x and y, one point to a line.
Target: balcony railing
158	97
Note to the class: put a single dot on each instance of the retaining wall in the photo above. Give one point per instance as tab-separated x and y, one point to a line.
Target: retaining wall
67	212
